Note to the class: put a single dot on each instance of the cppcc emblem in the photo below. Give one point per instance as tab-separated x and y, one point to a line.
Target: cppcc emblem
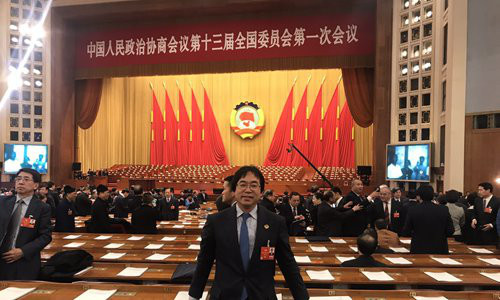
247	120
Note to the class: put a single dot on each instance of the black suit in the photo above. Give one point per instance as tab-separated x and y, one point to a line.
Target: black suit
202	197
396	214
355	224
30	240
169	210
429	226
100	220
486	216
220	243
83	204
65	217
144	220
363	261
220	204
121	206
294	227
268	204
134	202
330	220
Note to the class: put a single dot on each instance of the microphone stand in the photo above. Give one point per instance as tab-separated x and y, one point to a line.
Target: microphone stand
293	147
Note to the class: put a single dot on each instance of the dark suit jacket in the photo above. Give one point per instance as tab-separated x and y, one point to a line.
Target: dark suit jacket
221	205
166	211
285	210
220	243
396	218
30	240
100	220
83	204
330	220
429	226
134	202
486	217
355	224
202	197
121	206
268	204
144	220
363	261
65	222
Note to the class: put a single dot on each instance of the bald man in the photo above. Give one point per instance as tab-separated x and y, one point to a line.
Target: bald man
386	208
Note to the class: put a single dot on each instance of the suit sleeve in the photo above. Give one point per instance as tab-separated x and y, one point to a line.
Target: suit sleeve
102	218
44	234
288	265
408	228
450	229
206	258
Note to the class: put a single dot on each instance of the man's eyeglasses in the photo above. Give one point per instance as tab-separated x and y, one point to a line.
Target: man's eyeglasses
244	185
23	178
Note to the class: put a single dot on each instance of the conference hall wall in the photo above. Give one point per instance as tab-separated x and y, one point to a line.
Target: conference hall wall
121	133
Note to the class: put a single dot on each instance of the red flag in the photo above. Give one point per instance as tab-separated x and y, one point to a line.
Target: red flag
170	143
156	146
346	138
299	132
183	134
214	152
196	129
277	154
314	131
329	130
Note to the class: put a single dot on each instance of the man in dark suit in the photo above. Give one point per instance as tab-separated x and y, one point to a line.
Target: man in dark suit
121	204
100	220
485	214
53	192
136	201
245	241
367	244
354	225
329	217
24	229
168	206
44	190
144	218
202	197
66	212
296	216
83	204
225	200
428	224
269	200
388	209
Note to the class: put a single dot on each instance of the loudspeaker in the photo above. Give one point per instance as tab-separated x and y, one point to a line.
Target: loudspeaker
76	166
364	170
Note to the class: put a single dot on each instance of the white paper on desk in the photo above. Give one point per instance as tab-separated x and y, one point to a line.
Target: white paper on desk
112	255
430	298
446	261
157	256
492	276
186	223
73	245
12	293
400	250
301	241
319	248
443	276
93	294
113	245
72	237
132	272
344	258
491	261
279	296
154	246
201	226
103	237
178	226
83	271
185	295
398	260
354	248
184	211
377	276
164	222
405	241
338	241
302	259
135	238
331	298
168	238
194	247
480	250
319	275
198	239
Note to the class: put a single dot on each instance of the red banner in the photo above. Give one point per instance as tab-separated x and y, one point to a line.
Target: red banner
315	35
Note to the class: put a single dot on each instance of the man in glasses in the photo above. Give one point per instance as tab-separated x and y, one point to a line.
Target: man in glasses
246	240
24	229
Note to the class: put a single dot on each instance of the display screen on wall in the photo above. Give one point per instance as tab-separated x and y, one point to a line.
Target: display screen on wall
408	162
17	156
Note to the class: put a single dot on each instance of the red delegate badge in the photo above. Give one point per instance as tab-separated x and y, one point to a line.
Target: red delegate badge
28	222
267	253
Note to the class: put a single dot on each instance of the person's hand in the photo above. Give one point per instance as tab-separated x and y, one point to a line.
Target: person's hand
348	205
474	223
13	255
487	227
357	207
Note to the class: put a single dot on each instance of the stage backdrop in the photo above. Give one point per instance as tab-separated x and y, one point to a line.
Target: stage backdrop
121	133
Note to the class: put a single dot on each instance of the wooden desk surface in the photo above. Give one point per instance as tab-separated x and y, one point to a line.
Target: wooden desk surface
49	291
401	276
